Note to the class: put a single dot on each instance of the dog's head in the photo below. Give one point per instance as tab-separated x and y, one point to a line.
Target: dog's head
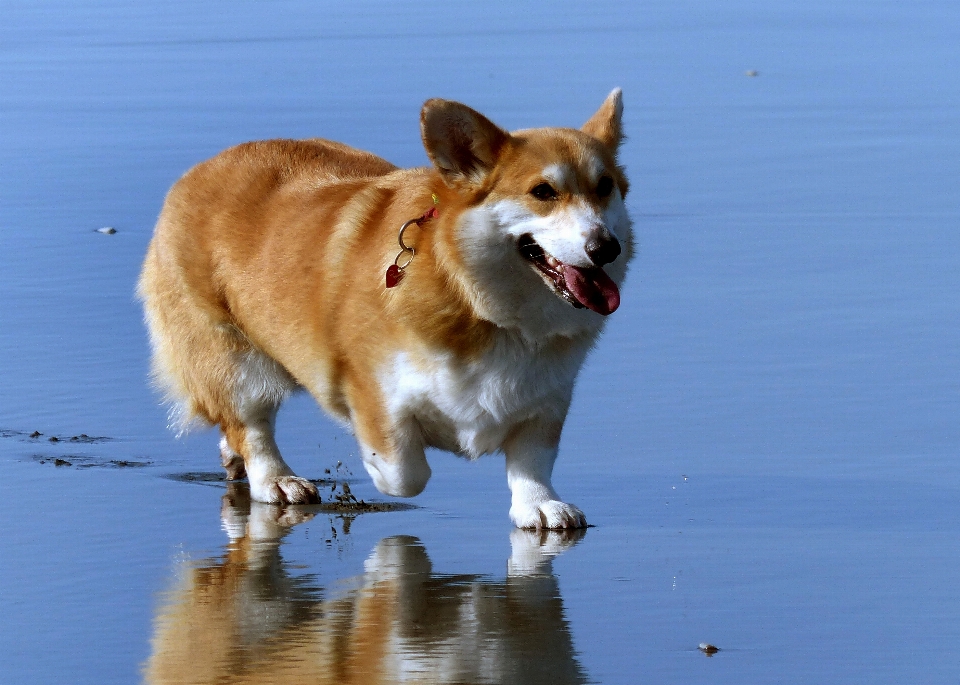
544	236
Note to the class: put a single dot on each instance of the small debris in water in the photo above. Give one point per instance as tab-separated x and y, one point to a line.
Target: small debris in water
346	497
86	462
359	507
708	649
197	477
752	73
83	437
107	230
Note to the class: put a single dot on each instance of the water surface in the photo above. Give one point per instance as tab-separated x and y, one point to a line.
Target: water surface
765	438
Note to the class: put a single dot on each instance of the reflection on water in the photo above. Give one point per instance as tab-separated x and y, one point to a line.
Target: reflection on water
248	618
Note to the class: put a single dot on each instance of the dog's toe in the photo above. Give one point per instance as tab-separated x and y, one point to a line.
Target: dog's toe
551	515
558	515
291	490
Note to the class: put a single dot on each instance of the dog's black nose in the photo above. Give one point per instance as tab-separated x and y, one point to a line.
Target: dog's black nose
603	248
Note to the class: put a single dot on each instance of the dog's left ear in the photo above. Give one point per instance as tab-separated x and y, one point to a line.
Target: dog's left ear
462	143
605	124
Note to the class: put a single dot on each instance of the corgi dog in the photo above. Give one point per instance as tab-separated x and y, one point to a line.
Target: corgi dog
447	307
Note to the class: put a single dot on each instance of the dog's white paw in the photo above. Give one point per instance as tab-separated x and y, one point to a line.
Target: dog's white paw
550	514
285	490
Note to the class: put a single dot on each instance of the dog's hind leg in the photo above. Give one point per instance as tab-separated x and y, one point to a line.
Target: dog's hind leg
531	451
211	371
260	385
271	479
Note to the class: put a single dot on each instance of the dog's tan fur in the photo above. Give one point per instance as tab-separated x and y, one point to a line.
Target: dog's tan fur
266	274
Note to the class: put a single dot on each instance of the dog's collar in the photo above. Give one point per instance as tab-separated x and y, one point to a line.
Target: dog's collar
395	272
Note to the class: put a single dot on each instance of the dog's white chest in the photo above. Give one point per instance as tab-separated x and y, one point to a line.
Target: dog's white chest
469	407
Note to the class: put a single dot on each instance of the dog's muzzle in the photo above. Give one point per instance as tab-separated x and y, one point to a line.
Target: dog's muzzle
589	288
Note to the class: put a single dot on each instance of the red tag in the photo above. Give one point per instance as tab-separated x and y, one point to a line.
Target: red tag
394	275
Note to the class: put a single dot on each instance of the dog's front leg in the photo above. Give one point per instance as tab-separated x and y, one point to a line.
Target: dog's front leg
396	462
531	451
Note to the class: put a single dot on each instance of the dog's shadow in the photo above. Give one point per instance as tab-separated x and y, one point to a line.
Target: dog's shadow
246	618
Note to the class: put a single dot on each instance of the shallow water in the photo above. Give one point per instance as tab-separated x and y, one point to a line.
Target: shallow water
764	439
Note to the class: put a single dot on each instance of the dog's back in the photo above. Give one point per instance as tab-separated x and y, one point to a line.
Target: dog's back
213	221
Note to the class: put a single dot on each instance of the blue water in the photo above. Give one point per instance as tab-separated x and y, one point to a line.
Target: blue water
765	438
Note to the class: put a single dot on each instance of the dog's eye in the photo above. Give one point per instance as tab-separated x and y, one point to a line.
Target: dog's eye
544	191
605	186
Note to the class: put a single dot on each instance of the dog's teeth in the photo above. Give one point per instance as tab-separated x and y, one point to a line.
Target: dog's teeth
553	261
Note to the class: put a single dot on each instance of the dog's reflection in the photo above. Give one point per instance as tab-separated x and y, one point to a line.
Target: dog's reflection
247	619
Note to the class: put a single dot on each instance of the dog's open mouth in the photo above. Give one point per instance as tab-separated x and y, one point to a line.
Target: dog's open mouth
591	288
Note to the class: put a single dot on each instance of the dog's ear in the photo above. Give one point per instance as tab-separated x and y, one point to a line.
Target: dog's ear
462	143
605	124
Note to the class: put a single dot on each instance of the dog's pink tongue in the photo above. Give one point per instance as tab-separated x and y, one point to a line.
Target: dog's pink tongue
592	288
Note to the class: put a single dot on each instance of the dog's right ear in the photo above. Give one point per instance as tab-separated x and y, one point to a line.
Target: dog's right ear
462	143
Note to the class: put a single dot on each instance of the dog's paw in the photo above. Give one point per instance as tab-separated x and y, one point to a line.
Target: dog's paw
287	490
550	514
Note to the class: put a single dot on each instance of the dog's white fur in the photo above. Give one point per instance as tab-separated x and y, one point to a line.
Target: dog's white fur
265	275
